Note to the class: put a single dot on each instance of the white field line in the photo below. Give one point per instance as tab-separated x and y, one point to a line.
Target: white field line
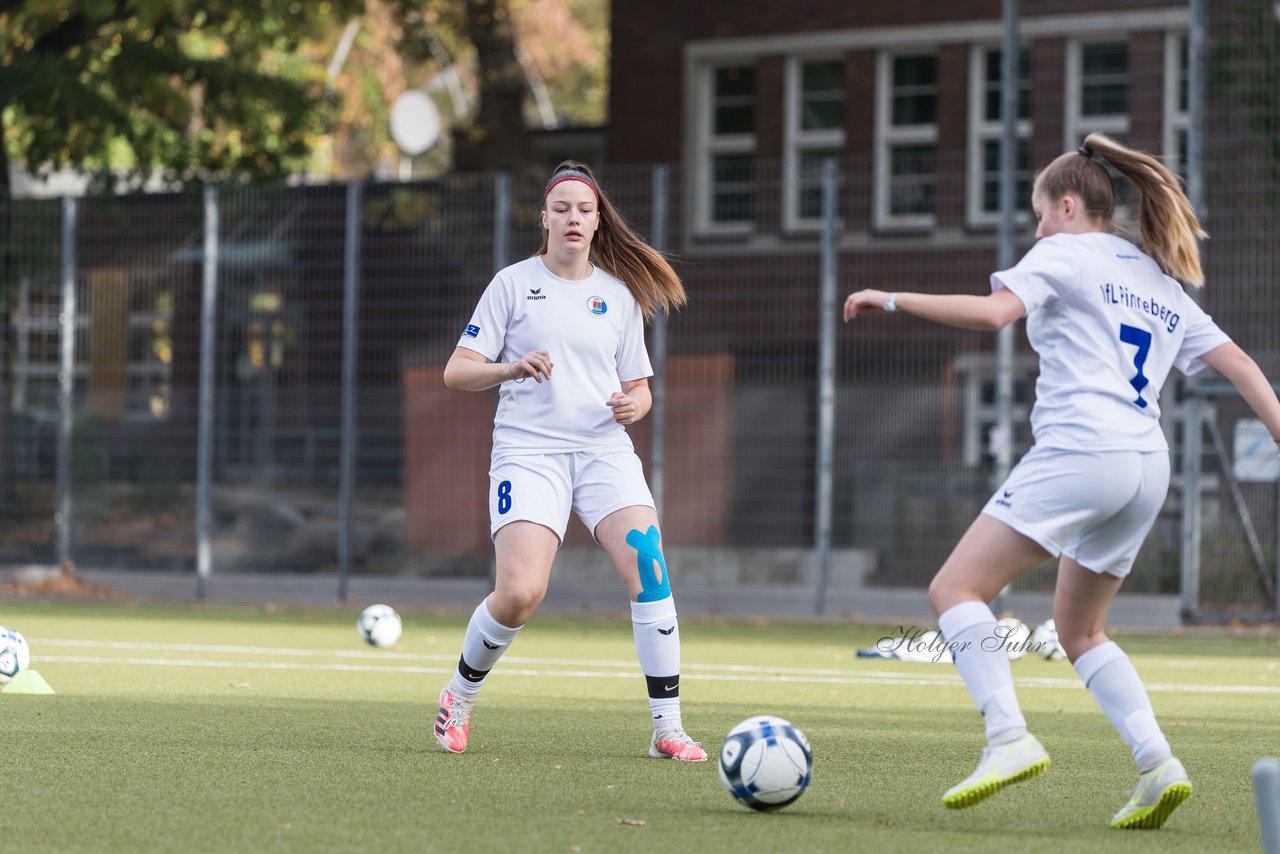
556	667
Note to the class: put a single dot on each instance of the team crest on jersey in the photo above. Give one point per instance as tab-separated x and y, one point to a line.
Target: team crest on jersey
597	305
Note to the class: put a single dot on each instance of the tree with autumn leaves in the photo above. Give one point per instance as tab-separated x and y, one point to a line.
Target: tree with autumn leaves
183	91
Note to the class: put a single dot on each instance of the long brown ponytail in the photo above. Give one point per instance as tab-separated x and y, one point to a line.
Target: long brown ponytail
621	253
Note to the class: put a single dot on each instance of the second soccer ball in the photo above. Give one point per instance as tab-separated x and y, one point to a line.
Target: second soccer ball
379	625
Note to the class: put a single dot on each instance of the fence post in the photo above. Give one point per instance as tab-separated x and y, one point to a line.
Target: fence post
1197	76
501	219
658	350
350	343
1189	559
827	330
204	451
66	382
1002	436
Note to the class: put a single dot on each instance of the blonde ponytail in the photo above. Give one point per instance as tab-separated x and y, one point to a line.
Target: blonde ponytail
1169	226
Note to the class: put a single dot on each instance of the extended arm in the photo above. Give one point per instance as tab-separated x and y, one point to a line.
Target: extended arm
1243	373
966	311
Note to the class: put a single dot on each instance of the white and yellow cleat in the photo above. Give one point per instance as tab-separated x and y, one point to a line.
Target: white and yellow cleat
1160	791
1000	766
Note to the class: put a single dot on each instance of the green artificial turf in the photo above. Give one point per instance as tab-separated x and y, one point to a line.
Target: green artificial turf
197	728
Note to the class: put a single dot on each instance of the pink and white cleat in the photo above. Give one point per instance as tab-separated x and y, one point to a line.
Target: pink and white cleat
453	721
676	744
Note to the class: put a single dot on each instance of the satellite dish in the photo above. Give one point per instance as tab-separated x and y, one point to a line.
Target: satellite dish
415	122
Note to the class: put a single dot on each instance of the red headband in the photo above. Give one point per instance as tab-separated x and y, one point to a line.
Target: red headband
569	177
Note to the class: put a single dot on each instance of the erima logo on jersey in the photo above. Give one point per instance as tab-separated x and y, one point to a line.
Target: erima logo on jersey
471	331
597	305
536	293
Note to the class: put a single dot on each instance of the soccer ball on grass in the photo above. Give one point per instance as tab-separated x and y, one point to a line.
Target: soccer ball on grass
15	656
379	625
1044	640
765	763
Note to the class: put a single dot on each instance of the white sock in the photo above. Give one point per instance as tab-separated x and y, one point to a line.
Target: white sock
983	663
1116	685
657	635
483	644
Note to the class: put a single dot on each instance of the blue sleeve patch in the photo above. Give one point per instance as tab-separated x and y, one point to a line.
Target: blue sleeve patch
471	331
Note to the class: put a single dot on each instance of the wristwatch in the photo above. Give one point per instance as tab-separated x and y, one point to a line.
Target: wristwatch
891	304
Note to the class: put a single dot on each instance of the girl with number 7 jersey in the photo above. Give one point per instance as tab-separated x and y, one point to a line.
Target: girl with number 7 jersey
1108	321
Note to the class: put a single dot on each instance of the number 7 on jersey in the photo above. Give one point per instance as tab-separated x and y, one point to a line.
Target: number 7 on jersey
1141	339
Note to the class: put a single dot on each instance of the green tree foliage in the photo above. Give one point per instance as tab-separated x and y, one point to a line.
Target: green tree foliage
182	89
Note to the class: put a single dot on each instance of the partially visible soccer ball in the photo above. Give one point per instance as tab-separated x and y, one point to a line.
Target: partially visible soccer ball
1044	640
1014	635
379	625
15	656
765	763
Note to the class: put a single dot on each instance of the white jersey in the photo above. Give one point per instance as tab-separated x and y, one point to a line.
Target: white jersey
1108	325
594	331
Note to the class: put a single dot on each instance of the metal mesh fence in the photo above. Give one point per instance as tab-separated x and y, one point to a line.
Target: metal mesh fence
915	402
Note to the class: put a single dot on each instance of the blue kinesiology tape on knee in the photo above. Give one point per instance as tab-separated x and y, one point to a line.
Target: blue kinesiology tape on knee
648	556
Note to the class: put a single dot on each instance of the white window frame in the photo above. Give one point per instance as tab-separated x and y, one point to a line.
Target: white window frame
26	370
29	322
1176	121
888	137
1077	126
982	131
975	369
797	140
709	146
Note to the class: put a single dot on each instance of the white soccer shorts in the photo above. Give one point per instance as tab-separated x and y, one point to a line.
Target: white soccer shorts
543	488
1096	508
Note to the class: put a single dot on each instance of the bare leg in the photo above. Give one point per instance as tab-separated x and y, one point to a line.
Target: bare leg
612	533
525	552
1081	601
988	557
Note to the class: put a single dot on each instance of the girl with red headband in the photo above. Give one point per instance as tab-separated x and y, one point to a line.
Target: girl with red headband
562	336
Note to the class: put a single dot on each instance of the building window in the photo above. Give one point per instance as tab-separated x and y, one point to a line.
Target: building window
975	374
123	353
728	197
38	350
1097	90
815	132
985	129
907	134
1176	100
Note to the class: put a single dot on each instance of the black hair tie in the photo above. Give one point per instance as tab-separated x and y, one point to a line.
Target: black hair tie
1085	151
